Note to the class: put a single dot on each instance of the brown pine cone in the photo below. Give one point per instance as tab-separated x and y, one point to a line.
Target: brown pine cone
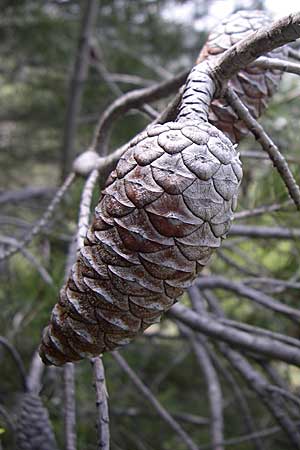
34	430
163	212
253	85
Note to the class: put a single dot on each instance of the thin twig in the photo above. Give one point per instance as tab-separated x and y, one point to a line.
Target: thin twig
275	63
101	403
145	391
215	282
85	207
77	83
46	277
211	326
35	374
260	210
267	144
132	99
69	407
43	221
262	232
214	391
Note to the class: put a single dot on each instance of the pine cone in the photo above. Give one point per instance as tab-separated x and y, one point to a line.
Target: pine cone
34	430
162	213
253	85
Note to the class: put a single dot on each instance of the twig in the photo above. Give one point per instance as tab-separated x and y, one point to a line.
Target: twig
262	232
255	154
262	41
273	282
197	299
132	99
104	73
85	207
267	144
69	407
275	63
46	277
35	374
145	391
43	221
77	83
211	326
249	437
101	403
214	391
262	210
259	384
214	282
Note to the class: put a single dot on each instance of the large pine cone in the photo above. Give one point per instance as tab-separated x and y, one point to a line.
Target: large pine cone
34	430
163	212
253	85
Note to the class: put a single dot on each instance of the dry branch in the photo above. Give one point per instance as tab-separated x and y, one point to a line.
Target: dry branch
267	144
163	413
77	83
101	403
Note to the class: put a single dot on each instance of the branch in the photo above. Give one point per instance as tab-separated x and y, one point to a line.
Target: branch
85	207
262	232
132	99
267	144
210	326
263	41
43	221
77	83
69	407
277	64
213	387
46	277
215	282
101	403
262	210
145	391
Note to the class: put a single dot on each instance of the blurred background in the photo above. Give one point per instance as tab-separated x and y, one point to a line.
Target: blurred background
134	44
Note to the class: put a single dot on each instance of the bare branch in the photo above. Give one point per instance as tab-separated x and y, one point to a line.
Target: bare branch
262	232
280	64
267	145
210	326
85	207
145	391
215	282
35	374
213	387
46	277
101	403
77	83
43	221
263	41
132	99
69	407
262	210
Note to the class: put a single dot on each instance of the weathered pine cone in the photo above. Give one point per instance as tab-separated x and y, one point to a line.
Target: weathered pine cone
34	430
253	85
163	212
